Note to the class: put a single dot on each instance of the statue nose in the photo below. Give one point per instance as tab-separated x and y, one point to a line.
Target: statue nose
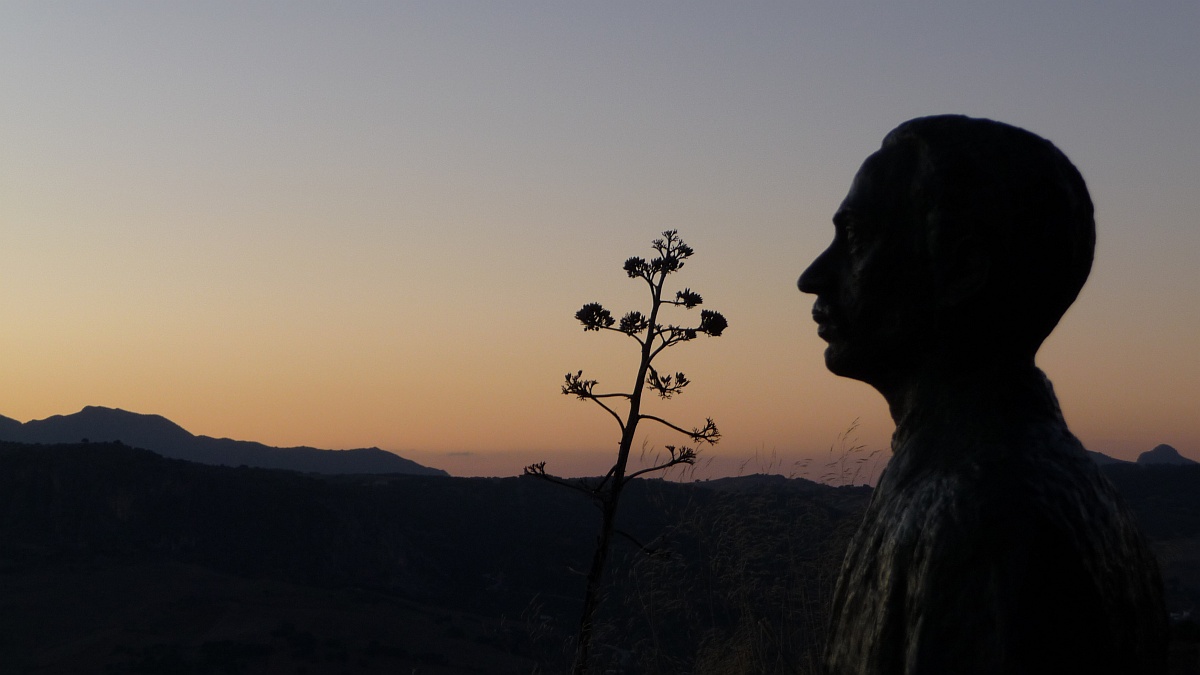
814	279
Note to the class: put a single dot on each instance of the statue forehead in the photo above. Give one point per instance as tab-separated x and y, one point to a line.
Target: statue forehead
881	190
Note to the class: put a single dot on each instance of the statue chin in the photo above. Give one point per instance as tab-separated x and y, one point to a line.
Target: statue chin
839	362
845	361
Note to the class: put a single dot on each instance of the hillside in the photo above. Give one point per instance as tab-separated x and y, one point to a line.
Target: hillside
118	560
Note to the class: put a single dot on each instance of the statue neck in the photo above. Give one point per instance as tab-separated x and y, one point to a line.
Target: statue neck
975	401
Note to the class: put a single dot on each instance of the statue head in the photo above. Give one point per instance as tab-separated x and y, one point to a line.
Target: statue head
961	239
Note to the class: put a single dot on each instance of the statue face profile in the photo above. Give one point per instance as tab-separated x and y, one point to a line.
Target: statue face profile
873	298
961	243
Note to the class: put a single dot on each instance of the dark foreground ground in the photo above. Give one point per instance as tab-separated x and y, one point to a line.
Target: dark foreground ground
115	560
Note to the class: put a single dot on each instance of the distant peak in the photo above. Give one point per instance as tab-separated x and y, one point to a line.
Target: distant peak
1163	454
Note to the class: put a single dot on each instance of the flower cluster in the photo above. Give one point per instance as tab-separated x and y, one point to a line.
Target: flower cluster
671	254
636	267
634	323
577	386
537	469
666	386
681	455
712	323
708	433
593	316
688	299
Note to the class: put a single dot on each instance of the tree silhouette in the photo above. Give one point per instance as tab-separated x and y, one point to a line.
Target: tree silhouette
653	337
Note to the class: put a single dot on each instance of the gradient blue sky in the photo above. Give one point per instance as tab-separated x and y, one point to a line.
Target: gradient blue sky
356	224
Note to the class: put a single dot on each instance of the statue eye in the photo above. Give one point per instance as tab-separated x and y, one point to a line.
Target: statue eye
851	232
853	238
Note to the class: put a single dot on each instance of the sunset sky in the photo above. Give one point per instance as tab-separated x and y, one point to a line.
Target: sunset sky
370	224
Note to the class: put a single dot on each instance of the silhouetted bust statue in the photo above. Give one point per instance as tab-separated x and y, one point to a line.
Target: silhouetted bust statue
992	543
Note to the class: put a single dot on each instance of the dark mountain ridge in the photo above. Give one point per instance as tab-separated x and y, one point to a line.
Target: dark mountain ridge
1104	460
487	565
505	550
164	437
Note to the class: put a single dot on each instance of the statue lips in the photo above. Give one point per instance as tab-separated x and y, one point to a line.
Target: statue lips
826	330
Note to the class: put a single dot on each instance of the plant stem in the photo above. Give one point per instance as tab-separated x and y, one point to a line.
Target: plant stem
610	501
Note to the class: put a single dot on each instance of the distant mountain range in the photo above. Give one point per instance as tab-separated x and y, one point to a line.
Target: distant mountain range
160	435
164	437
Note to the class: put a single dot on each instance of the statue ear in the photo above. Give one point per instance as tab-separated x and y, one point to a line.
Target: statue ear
962	273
